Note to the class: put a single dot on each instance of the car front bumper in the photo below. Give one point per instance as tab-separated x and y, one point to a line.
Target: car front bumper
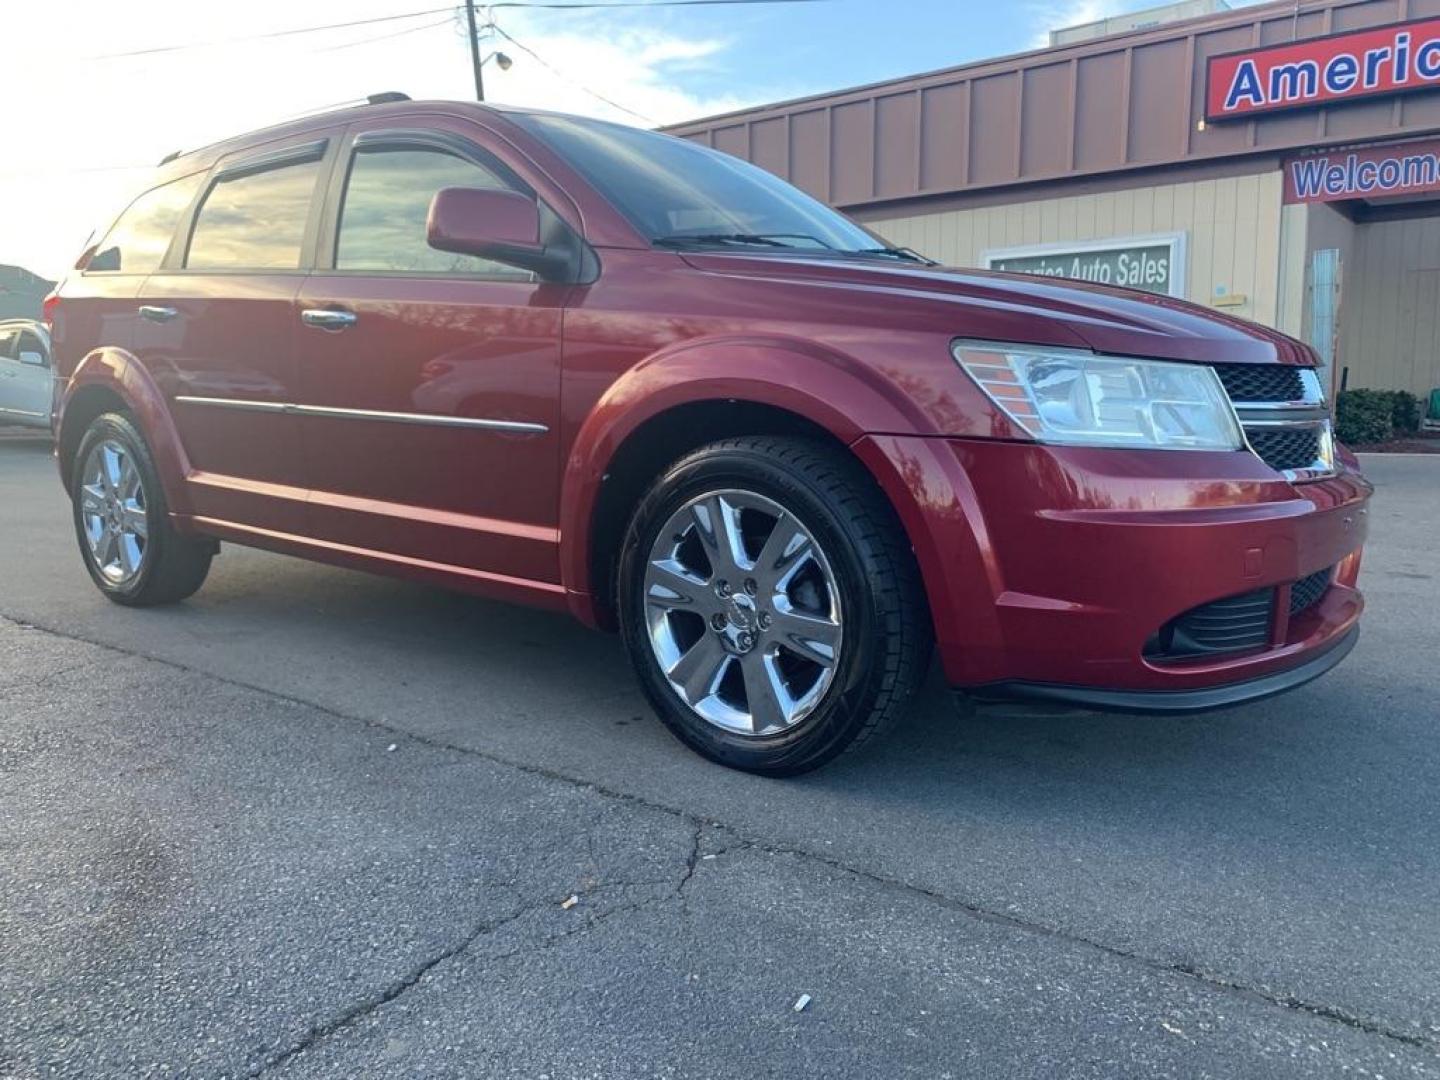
1051	570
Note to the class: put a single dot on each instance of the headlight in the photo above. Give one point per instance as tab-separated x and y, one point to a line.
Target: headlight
1082	399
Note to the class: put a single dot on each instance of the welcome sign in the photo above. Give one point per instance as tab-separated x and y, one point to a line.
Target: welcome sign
1398	169
1394	59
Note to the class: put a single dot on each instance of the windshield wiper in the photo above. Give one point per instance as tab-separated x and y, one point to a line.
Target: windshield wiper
760	239
907	254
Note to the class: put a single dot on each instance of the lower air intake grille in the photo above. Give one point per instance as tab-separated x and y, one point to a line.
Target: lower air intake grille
1286	448
1306	592
1230	625
1261	382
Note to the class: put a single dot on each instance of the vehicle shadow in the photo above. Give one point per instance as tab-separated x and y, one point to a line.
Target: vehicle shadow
562	693
1350	757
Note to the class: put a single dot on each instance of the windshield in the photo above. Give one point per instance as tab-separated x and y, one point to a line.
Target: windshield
679	194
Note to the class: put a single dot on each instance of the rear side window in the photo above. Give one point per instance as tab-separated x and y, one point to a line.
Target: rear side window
254	221
138	240
387	197
7	344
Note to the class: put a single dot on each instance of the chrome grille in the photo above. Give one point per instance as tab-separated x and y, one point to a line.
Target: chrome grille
1282	409
1286	449
1262	382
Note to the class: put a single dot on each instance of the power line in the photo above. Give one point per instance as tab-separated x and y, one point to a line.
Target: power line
448	21
557	5
560	74
267	36
597	6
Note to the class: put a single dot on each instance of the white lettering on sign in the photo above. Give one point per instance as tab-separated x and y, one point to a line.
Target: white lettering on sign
1404	169
1148	263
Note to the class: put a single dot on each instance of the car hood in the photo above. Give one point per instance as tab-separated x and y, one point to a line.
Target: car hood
1099	317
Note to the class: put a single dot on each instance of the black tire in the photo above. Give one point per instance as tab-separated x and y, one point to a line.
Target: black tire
887	630
173	565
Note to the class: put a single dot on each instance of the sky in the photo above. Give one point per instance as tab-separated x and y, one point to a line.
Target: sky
93	124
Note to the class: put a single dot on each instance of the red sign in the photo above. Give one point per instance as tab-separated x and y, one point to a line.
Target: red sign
1398	169
1392	59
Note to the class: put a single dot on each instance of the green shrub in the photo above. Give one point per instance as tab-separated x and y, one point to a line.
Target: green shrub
1405	412
1364	416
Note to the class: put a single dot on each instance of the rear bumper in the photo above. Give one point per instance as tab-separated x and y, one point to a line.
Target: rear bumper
1049	569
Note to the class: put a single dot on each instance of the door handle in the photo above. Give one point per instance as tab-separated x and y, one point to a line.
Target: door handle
328	318
157	314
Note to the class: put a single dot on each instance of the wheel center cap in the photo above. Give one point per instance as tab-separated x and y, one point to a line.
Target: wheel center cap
741	612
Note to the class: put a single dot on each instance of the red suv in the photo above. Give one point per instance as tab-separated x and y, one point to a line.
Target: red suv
601	370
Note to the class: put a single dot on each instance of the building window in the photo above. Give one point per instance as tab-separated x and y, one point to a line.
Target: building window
1324	307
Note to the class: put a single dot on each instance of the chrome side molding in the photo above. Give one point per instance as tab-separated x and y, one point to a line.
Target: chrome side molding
522	427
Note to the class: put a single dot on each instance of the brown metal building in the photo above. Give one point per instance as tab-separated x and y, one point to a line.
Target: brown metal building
1281	162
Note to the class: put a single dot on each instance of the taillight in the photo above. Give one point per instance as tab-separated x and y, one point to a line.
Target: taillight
48	309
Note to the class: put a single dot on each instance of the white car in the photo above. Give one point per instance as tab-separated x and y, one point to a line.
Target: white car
26	379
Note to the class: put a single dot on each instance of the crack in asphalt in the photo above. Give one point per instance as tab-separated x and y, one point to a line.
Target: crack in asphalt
318	1033
1210	980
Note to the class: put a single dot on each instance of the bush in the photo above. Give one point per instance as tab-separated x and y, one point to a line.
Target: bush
1405	412
1365	416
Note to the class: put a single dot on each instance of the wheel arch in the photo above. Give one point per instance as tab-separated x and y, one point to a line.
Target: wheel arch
109	380
675	403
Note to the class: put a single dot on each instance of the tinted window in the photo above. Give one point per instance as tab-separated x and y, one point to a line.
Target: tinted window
255	221
671	188
139	239
387	197
7	344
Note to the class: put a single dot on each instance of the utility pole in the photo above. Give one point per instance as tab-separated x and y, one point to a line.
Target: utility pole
475	50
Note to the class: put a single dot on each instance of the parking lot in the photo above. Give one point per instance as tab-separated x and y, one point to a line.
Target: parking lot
313	823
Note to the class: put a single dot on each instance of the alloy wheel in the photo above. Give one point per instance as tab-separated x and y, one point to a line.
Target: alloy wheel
112	512
743	612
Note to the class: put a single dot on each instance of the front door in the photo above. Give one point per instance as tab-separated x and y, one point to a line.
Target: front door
429	381
217	328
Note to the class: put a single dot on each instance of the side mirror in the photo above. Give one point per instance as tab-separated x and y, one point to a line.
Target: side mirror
503	226
34	359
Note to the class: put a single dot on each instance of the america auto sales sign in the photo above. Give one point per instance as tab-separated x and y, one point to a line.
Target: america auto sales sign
1385	60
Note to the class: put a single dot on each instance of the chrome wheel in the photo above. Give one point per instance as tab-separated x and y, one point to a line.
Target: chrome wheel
112	512
743	612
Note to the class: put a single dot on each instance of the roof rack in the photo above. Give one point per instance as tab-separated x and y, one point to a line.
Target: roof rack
385	97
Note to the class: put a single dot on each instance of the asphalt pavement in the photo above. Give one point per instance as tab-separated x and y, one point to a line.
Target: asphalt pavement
317	824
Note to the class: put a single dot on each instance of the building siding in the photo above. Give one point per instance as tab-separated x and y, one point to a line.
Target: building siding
1092	108
1232	227
1390	291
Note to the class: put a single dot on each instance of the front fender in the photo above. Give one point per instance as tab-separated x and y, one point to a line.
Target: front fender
118	372
830	390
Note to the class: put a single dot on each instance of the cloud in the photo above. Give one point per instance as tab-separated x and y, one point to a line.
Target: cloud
106	122
1058	14
632	75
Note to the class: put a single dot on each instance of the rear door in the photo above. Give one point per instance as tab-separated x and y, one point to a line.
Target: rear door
98	309
217	327
430	381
